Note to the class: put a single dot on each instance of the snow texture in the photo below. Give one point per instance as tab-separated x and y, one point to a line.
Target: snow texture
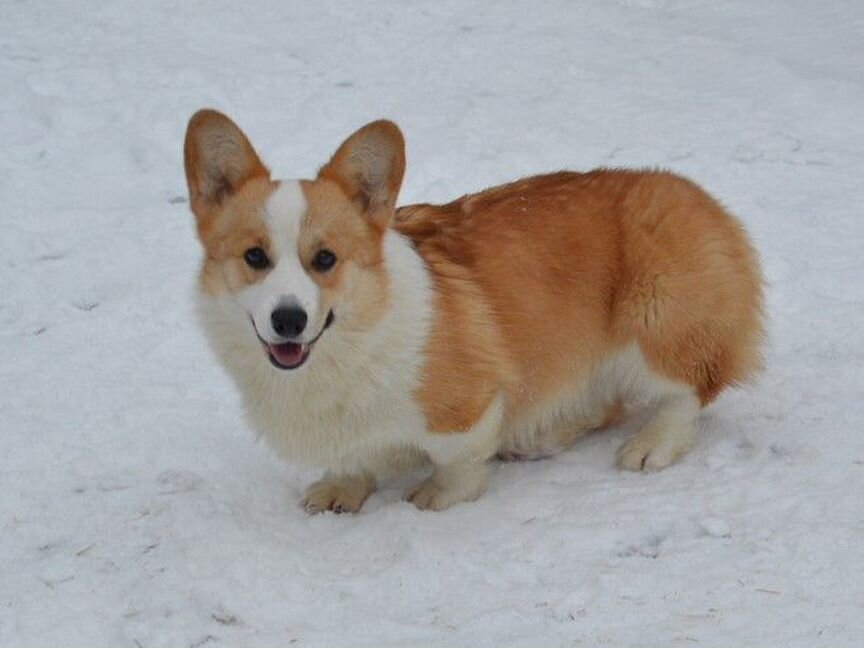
137	510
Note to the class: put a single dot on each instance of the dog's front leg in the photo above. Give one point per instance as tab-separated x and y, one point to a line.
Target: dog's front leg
460	471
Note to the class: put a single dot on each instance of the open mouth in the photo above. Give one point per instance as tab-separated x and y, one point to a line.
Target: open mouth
288	355
292	355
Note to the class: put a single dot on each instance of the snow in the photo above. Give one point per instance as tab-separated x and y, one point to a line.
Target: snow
136	508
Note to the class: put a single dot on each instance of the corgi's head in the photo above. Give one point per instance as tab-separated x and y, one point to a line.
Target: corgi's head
293	259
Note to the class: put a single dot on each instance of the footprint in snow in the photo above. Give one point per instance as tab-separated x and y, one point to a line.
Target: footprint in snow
177	481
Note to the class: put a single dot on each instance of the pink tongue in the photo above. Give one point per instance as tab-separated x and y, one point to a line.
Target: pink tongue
287	354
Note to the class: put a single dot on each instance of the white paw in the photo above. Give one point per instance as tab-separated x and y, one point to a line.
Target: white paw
649	451
431	495
344	495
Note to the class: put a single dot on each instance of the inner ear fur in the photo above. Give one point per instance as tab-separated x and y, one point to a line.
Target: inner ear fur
369	167
218	158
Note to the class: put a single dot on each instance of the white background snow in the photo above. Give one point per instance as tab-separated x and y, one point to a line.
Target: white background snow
137	510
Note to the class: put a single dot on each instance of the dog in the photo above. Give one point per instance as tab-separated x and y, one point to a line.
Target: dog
367	339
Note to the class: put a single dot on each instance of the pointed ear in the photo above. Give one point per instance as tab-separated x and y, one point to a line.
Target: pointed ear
218	159
369	167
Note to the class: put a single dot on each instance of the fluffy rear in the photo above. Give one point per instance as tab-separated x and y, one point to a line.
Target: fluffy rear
690	290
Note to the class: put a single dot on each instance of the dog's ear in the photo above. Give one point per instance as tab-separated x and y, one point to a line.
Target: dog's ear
369	167
219	159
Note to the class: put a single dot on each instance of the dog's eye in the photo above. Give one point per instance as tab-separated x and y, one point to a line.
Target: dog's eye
324	260
256	258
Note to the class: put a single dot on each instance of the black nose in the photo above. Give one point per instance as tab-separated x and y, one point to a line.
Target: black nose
288	321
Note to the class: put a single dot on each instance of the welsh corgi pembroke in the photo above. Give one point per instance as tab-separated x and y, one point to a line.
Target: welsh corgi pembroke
366	338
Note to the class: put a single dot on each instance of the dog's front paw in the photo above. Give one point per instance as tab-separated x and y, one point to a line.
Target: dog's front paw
651	450
338	494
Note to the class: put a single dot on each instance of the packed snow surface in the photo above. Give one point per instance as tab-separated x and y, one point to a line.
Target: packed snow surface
136	508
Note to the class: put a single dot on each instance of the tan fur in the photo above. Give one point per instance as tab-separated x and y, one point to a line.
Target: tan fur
467	362
219	160
571	268
368	167
332	222
227	186
228	232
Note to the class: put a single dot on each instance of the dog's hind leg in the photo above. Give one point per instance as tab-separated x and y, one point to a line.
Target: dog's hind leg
668	435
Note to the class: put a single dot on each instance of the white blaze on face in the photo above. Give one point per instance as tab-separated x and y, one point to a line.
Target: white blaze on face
287	282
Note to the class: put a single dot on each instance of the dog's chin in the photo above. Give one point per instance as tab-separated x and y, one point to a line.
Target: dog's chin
288	355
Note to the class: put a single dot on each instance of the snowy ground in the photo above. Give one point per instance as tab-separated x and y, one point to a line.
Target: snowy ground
136	509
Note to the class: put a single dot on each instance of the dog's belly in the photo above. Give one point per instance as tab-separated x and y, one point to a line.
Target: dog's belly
556	426
591	403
